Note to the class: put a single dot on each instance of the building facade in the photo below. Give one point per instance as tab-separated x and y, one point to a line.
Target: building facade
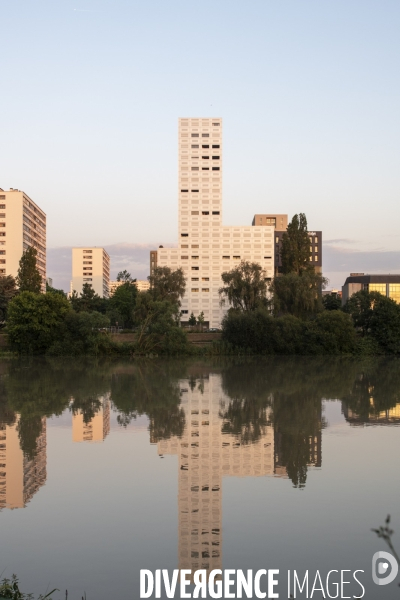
141	284
20	476
91	265
95	430
388	285
22	225
207	248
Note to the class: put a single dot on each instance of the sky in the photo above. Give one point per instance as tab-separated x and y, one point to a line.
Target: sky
309	93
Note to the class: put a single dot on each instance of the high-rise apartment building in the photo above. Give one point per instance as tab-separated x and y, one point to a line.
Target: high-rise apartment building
207	248
91	265
95	430
22	225
20	476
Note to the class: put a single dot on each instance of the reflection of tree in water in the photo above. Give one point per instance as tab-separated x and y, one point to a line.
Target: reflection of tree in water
44	388
287	394
150	389
374	392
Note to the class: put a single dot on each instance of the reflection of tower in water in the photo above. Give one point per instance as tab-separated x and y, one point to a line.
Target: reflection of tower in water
205	455
20	476
95	430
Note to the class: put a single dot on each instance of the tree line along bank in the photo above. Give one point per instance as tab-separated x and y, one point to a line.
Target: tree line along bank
286	316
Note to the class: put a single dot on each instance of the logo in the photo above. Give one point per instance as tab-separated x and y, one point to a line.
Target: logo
380	566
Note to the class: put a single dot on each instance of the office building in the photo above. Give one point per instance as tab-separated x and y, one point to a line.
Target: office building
388	285
206	247
94	430
20	476
278	222
91	265
22	225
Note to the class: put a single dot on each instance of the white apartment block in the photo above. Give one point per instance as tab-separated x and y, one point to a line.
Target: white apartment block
91	265
22	225
142	285
206	247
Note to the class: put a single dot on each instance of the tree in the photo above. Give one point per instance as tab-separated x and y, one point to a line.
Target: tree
88	300
36	321
8	289
360	307
298	295
166	284
245	286
125	276
29	278
192	320
122	304
295	250
200	320
53	290
332	301
158	329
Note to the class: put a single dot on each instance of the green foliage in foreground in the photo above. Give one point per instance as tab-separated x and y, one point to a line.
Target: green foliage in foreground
331	332
9	590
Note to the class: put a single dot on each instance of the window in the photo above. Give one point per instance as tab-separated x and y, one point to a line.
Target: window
215	146
394	292
205	212
2	197
268	257
195	135
205	157
184	190
205	135
195	212
216	124
195	190
316	258
195	268
236	257
87	268
195	289
2	215
184	312
215	212
184	235
215	157
215	168
184	246
87	279
2	261
195	145
205	289
226	257
87	262
378	287
2	234
315	240
205	168
2	271
88	252
276	240
195	169
2	224
195	278
195	257
205	279
2	252
184	257
206	146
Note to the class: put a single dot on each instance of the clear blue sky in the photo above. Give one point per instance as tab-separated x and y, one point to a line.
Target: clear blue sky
309	92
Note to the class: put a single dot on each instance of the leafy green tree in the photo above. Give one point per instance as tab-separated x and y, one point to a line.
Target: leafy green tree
200	320
332	301
122	304
84	334
295	249
125	277
8	289
88	300
245	286
298	295
166	284
29	278
35	321
332	332
192	320
53	290
158	329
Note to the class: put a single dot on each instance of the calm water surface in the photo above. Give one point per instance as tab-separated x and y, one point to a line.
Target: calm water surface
110	467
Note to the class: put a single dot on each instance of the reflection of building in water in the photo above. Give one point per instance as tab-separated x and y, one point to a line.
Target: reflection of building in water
97	429
20	476
314	453
205	455
384	417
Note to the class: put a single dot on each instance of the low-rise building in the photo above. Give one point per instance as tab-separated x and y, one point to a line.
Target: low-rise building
22	225
388	285
92	266
141	284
